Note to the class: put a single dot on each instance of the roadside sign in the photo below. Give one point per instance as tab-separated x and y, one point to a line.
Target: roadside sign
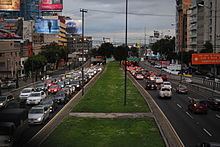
206	58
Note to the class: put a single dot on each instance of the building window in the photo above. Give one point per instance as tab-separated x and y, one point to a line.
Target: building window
1	54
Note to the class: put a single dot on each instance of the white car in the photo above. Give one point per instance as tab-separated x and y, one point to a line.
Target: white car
187	80
158	80
38	114
166	84
35	97
165	92
25	93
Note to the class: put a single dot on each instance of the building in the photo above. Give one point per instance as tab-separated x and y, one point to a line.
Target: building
29	9
182	29
205	24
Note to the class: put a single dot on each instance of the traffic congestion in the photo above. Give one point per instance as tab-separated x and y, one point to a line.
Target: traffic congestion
35	105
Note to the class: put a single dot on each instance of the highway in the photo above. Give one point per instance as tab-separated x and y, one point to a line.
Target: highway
191	128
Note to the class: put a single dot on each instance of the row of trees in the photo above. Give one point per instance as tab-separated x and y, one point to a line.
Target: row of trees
51	54
120	53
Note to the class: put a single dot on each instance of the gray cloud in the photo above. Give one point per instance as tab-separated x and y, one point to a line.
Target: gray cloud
112	25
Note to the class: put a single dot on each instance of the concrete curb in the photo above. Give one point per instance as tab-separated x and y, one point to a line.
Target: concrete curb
167	131
42	135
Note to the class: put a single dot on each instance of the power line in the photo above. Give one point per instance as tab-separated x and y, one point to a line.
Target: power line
132	13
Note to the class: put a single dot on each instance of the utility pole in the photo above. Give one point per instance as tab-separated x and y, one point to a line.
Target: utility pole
126	44
215	46
83	11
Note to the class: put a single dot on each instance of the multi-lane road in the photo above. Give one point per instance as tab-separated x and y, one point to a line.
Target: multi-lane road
191	128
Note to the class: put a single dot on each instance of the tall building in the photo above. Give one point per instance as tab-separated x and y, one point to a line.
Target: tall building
182	31
205	24
30	9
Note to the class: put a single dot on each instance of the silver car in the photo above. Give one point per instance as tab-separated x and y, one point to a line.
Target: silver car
38	114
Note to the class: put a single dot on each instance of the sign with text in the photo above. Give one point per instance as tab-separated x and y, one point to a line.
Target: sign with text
10	5
11	29
206	58
51	5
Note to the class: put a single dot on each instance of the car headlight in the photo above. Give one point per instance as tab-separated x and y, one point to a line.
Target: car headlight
1	104
39	119
77	85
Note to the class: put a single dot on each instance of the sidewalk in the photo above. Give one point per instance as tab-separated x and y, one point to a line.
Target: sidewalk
112	115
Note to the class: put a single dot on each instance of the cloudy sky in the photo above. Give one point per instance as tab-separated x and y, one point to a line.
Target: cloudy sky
105	18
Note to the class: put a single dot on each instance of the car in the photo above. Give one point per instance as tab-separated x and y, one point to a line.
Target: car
11	84
35	97
38	114
24	94
40	87
5	99
139	76
49	102
166	84
165	92
214	103
61	83
164	77
198	106
208	144
54	89
69	89
150	85
61	98
187	80
77	84
158	80
182	89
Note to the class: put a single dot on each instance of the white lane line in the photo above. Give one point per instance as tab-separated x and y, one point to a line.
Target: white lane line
207	132
189	115
218	116
189	98
179	105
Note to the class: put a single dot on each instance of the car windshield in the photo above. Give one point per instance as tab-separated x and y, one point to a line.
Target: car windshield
60	94
36	111
165	89
2	98
166	83
182	86
40	85
26	91
35	94
46	102
54	86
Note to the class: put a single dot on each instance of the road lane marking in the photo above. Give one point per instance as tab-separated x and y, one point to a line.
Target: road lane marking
189	115
179	105
207	132
218	116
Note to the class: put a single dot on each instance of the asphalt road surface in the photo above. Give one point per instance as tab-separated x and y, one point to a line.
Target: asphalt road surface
191	128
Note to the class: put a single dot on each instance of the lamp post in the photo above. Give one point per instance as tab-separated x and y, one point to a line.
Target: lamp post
215	29
7	66
126	44
83	11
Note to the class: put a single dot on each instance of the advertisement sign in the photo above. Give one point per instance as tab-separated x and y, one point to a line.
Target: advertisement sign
47	26
10	5
51	5
71	27
11	29
206	58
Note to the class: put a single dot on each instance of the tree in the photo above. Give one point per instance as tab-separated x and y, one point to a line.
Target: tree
35	64
120	53
164	46
208	48
106	50
134	51
54	53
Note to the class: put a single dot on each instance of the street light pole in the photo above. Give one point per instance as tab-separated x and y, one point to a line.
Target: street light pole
126	44
83	11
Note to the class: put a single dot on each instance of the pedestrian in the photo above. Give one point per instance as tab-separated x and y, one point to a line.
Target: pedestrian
49	26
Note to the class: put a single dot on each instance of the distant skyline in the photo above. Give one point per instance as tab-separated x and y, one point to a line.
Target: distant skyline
105	18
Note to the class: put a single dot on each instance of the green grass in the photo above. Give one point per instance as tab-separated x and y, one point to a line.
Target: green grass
107	94
80	132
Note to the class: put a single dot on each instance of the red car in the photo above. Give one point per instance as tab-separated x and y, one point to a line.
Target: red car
198	106
54	89
164	77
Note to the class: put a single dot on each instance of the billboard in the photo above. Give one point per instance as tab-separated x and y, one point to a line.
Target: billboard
71	26
206	58
11	29
47	26
51	5
10	5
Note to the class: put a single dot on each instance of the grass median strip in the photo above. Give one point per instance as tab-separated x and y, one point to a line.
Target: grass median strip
108	92
87	132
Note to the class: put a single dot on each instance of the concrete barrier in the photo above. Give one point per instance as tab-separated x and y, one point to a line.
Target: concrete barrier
41	136
167	131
